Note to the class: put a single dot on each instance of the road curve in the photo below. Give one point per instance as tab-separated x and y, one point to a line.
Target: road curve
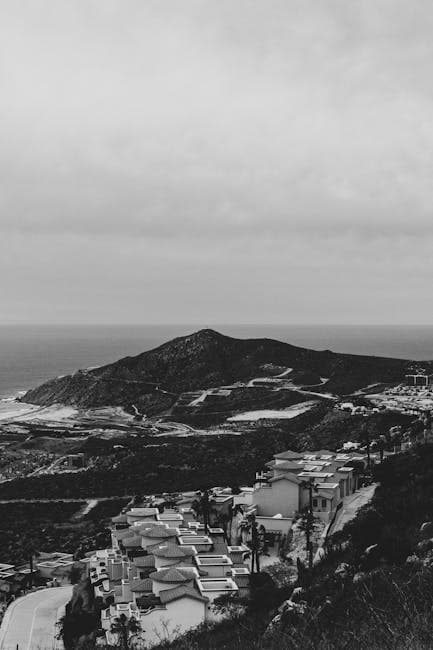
30	621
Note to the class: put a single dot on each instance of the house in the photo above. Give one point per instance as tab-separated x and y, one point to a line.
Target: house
55	565
214	566
284	489
141	515
163	617
213	588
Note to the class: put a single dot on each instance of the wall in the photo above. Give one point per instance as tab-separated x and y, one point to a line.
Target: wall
168	623
115	569
281	497
126	591
131	519
243	499
211	614
216	570
275	525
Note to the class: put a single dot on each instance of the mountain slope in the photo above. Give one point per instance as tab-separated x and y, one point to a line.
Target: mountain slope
203	360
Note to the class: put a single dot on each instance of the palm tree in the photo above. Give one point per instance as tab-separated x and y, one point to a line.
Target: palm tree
202	508
255	542
225	521
307	519
365	438
123	627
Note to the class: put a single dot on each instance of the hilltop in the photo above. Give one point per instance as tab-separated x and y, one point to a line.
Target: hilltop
153	380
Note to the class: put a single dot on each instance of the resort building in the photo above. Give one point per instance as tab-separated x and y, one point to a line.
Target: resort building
284	489
165	571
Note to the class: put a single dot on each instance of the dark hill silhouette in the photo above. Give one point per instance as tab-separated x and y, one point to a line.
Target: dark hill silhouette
153	379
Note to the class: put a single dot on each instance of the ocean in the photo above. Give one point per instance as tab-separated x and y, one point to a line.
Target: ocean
29	355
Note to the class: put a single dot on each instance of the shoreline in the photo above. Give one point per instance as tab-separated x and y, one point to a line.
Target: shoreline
12	409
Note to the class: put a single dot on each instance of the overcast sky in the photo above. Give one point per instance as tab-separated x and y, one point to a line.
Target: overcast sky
208	161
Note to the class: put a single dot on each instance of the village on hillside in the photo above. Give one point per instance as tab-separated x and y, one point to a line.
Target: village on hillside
175	561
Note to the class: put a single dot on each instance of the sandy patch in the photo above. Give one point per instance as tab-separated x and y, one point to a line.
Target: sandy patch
11	410
273	414
29	412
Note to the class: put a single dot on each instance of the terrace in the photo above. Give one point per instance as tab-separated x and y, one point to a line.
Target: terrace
213	588
216	566
202	543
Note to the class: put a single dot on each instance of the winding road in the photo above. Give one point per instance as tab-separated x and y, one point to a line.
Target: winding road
351	505
30	621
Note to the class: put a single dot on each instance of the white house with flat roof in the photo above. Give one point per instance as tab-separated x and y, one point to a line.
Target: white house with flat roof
214	566
213	588
55	565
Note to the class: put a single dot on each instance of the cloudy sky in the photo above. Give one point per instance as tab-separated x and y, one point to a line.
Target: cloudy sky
203	161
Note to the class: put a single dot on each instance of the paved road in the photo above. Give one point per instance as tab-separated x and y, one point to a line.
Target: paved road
30	622
351	506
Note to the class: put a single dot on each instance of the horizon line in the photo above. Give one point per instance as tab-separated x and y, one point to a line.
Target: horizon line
201	325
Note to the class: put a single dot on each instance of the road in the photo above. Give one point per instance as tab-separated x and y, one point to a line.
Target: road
74	500
30	621
351	506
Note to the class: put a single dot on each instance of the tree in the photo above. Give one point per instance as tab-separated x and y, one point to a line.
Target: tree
75	574
365	438
256	541
202	508
307	519
124	627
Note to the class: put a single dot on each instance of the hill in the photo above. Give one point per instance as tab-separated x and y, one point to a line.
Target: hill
153	380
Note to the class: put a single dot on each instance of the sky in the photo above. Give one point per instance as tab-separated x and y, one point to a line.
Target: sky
237	161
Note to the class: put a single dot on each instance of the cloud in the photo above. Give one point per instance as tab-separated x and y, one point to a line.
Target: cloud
203	133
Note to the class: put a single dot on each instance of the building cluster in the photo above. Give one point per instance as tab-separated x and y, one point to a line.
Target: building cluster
409	399
52	569
165	569
353	409
294	479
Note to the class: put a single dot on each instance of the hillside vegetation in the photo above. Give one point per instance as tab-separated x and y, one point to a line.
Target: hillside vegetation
147	464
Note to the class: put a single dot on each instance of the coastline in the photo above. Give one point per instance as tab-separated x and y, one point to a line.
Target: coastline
12	409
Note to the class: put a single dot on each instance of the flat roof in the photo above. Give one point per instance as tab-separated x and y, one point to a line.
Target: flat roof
317	474
216	584
327	486
213	560
193	540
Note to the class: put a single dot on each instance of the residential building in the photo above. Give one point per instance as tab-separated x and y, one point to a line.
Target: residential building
284	489
165	571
